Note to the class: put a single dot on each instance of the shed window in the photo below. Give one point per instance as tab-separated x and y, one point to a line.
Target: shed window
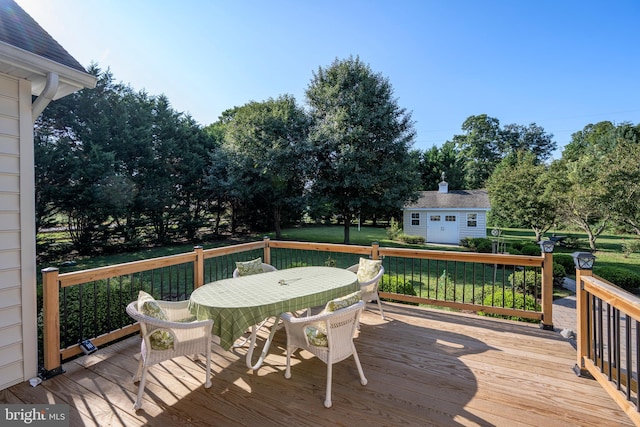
472	220
415	219
434	218
450	218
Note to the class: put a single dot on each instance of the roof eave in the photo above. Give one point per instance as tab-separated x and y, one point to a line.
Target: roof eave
20	63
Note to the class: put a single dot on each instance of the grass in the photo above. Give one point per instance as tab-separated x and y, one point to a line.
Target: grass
609	253
365	236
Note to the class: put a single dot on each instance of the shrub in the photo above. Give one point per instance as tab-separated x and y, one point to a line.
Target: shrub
396	285
298	264
559	273
394	230
511	300
518	245
445	287
477	244
566	261
630	246
526	281
465	242
415	240
621	277
330	262
530	249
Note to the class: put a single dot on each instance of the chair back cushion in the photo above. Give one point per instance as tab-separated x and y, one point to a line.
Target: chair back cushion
368	269
248	268
343	302
316	336
317	333
148	306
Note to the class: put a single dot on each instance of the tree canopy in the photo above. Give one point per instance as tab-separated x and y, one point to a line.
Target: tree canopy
360	139
267	147
123	168
518	194
484	144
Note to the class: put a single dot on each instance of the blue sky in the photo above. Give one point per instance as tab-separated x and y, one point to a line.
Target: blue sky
561	64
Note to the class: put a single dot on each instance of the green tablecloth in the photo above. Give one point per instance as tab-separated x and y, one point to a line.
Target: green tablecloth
236	304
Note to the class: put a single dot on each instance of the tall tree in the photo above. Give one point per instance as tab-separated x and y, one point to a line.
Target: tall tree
516	138
75	159
267	143
622	173
361	139
480	148
517	190
579	183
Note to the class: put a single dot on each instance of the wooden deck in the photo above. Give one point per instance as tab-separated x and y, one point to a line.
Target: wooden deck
424	367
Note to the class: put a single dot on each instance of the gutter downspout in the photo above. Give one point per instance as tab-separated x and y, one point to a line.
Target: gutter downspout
41	102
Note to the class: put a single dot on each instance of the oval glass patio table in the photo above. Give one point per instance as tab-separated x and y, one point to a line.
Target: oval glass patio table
239	303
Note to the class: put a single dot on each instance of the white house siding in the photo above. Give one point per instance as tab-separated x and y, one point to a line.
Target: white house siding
480	230
18	353
414	230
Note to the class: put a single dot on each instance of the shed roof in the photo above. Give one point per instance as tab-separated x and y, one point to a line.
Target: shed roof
454	199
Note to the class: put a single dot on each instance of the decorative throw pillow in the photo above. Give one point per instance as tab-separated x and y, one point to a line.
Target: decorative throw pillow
316	336
368	268
147	305
250	267
343	302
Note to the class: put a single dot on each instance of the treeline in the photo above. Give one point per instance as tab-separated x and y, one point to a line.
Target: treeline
120	168
594	186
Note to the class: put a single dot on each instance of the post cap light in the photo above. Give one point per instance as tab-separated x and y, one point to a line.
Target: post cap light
546	246
583	260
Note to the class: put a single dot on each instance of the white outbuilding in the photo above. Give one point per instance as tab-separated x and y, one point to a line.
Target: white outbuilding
447	216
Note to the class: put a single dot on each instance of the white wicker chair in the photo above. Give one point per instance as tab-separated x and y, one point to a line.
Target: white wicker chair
340	326
370	288
236	273
265	268
192	337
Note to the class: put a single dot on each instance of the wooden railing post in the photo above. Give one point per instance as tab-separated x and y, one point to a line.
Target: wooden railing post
198	267
267	251
375	254
51	323
547	292
582	326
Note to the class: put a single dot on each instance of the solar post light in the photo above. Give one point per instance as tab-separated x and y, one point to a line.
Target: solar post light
583	260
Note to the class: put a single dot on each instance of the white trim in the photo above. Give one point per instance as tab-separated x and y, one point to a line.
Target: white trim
20	63
28	235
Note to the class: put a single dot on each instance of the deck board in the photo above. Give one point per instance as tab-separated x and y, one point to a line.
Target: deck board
425	367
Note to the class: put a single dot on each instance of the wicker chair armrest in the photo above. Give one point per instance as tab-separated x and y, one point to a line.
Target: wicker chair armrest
303	321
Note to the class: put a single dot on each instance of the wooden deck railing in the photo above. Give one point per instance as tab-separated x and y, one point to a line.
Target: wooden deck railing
458	280
608	339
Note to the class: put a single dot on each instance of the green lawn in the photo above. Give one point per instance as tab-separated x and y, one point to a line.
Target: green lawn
610	253
609	245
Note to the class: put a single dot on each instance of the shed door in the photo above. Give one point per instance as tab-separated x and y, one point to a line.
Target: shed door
443	228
